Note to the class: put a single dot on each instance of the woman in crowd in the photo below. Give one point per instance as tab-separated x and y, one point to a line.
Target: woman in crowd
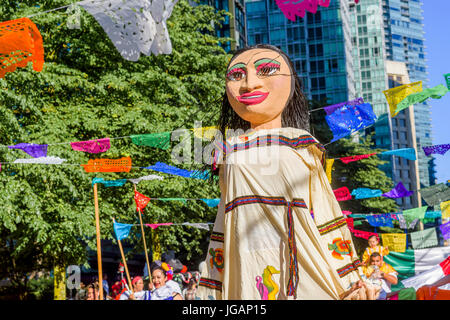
189	292
162	289
138	291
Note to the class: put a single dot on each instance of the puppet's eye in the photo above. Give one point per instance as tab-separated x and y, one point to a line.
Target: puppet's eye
268	69
236	75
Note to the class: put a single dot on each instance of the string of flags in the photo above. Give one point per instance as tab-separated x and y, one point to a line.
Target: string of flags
403	96
122	230
435	195
397	241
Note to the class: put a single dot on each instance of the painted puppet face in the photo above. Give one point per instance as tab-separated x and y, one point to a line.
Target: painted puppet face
258	87
159	278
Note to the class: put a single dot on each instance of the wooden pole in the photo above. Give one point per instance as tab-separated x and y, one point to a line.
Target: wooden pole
145	244
99	247
124	263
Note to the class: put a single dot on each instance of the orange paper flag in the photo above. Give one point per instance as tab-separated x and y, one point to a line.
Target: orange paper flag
20	43
108	165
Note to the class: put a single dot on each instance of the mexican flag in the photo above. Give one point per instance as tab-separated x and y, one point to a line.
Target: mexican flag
417	268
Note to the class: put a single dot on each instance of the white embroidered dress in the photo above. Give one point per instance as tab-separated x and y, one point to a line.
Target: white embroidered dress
265	243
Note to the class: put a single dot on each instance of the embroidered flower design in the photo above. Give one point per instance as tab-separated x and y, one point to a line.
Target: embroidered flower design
216	258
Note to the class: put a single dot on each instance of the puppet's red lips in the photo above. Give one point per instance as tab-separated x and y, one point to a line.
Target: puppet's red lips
252	97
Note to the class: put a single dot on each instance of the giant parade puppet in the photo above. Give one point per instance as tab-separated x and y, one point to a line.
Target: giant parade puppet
279	232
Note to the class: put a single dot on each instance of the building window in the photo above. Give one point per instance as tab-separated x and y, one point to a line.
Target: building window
333	65
316	50
403	136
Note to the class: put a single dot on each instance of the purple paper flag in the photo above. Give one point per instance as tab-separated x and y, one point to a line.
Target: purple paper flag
445	229
440	148
398	192
34	150
330	109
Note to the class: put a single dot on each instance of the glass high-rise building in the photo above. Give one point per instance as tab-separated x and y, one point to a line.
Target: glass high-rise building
404	39
369	54
318	44
234	27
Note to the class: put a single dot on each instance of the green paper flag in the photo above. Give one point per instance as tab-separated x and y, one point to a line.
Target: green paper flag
447	80
424	239
416	213
173	199
435	194
436	92
159	140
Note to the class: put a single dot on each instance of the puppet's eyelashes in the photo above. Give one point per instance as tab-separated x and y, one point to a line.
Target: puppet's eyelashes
267	69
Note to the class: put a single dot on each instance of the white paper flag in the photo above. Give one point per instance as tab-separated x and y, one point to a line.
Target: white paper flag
134	26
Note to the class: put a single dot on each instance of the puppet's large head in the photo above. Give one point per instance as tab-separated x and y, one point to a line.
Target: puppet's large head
263	91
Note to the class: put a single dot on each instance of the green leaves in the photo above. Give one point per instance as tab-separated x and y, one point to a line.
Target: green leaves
87	91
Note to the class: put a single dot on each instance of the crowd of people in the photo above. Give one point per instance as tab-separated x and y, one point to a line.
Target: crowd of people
375	284
161	287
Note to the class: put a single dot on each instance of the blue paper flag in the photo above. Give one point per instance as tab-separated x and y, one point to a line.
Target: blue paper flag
122	230
364	193
380	220
204	175
348	119
408	153
211	202
162	167
109	183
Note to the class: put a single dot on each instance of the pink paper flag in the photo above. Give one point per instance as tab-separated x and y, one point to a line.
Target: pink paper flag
293	8
356	158
342	194
156	225
364	234
92	146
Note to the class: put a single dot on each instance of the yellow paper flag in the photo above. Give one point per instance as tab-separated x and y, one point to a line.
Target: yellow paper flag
395	241
445	209
206	133
397	94
329	167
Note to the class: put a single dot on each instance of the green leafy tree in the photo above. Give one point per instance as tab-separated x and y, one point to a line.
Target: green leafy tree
87	91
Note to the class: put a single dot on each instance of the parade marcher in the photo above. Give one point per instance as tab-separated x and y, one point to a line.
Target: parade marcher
265	244
161	290
139	292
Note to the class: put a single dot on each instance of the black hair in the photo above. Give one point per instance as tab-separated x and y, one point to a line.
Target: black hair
295	114
157	267
372	236
375	254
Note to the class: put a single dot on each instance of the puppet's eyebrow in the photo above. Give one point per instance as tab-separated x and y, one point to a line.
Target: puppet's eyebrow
237	65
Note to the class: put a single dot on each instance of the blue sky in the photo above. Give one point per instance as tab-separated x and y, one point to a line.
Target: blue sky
437	42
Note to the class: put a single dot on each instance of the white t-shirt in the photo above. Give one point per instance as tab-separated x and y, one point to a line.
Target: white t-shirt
140	295
166	291
386	285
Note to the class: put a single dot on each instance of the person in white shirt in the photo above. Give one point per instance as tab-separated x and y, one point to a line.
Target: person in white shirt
162	288
139	292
